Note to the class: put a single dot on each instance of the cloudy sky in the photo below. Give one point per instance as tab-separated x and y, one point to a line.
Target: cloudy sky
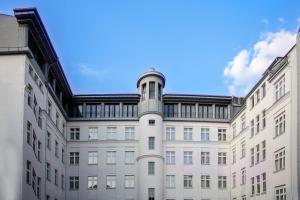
202	47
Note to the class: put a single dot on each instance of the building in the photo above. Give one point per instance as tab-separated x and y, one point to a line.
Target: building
56	145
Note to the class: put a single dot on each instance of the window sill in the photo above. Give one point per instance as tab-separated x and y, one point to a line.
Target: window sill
92	164
129	187
110	188
278	170
111	163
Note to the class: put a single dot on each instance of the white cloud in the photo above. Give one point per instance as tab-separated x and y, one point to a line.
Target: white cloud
281	20
88	71
249	64
265	21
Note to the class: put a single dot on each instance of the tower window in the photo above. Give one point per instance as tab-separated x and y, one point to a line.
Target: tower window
159	92
151	90
151	122
143	91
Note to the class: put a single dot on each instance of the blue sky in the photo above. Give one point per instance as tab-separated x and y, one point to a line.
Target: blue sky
202	47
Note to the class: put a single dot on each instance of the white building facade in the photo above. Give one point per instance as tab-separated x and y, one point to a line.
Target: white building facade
150	145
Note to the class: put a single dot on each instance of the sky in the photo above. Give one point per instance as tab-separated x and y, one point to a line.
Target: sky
202	47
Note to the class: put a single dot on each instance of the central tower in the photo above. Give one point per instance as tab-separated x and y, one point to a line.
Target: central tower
150	159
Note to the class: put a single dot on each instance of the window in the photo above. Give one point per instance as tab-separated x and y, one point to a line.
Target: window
188	133
233	180
151	90
252	127
205	111
257	96
188	157
49	108
222	158
151	122
143	92
188	181
280	88
151	143
222	182
93	157
252	186
252	156
47	197
129	181
257	124
170	110
263	90
111	157
221	134
221	112
40	118
205	181
29	131
111	133
38	188
57	119
151	168
130	110
93	133
92	182
56	148
252	102
280	125
129	133
188	110
39	151
74	158
280	193
62	181
243	122
257	153
48	171
264	182
29	98
234	130
93	110
170	133
205	158
111	181
243	172
33	180
74	133
170	157
233	155
129	157
56	177
263	114
34	142
151	193
258	184
111	110
63	155
243	149
74	182
28	172
170	181
263	150
204	134
244	197
280	160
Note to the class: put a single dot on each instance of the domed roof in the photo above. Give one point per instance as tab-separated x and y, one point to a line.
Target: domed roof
151	72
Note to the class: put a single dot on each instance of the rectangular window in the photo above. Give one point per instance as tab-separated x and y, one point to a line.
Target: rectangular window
111	157
233	180
243	173
92	182
151	168
188	157
222	182
49	108
93	157
29	132
233	155
205	111
63	155
188	181
56	149
263	90
74	158
111	133
129	181
28	172
48	171
257	124
29	97
252	156
257	96
151	90
170	157
143	92
280	193
234	130
170	133
263	150
38	188
252	127
205	181
252	186
221	134
280	88
74	133
111	182
188	110
130	110
280	124
264	182
205	158
62	181
221	112
222	158
170	110
39	151
151	122
280	160
129	133
74	182
129	157
257	153
151	143
263	114
204	134
188	133
151	193
56	177
93	133
252	101
159	92
243	122
258	184
112	110
243	149
57	119
170	181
